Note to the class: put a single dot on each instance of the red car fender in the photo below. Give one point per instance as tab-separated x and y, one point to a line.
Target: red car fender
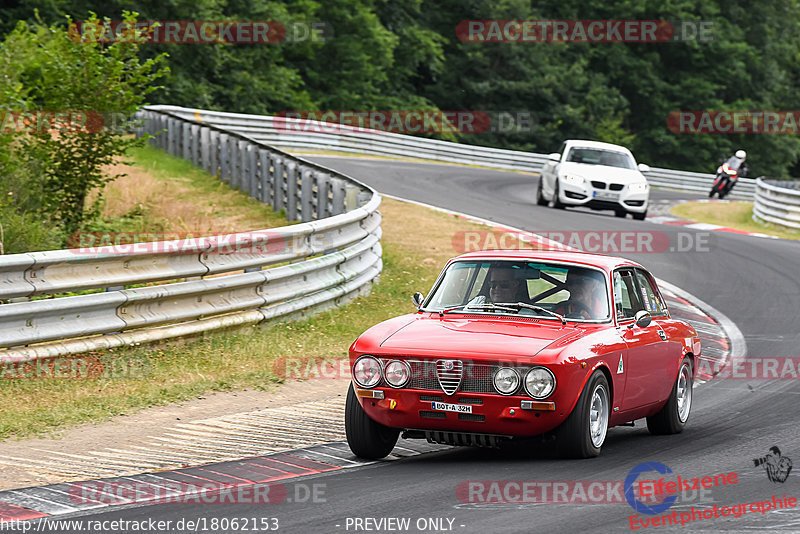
600	363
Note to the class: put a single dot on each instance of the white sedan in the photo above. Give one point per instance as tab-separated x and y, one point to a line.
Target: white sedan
599	176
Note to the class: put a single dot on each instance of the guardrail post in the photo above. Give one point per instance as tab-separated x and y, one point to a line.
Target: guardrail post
162	141
351	197
205	142
253	174
306	194
186	137
213	152
337	185
224	158
264	176
291	191
323	195
195	144
172	134
243	183
276	183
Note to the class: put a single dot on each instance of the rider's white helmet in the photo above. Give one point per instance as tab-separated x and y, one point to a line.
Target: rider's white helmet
741	154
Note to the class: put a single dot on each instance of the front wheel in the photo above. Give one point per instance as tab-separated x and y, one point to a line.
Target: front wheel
556	202
711	193
673	416
620	213
366	438
584	432
640	216
540	200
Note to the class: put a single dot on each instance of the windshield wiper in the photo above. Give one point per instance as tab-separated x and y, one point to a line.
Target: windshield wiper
487	306
534	307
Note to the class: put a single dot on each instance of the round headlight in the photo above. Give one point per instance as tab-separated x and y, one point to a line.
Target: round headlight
367	372
396	373
506	380
540	382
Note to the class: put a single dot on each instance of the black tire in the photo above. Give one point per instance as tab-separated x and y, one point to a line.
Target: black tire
673	416
574	434
556	203
711	193
640	216
620	213
366	438
540	200
722	195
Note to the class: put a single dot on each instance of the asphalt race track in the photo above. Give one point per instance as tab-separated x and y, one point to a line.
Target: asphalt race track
753	281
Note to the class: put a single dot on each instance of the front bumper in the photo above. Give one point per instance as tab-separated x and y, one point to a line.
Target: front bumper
513	415
603	199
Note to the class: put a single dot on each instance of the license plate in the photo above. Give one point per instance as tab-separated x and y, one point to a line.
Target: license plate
605	195
446	407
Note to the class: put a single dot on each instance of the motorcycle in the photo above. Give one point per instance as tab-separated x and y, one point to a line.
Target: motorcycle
727	175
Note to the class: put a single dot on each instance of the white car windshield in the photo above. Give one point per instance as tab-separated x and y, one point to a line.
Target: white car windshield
598	156
476	286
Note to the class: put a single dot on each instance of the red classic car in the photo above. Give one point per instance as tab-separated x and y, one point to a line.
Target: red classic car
515	344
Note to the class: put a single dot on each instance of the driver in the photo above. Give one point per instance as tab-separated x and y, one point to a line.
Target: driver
503	284
586	296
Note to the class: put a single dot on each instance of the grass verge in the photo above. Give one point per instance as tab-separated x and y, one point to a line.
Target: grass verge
165	194
737	215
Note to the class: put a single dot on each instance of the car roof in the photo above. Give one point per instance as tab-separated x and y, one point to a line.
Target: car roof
596	144
607	263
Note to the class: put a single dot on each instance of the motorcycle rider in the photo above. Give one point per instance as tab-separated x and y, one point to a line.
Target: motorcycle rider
728	173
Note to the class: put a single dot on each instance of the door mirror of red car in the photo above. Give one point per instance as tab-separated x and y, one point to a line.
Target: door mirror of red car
418	298
642	318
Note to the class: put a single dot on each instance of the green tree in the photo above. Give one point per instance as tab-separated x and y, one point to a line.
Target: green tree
87	79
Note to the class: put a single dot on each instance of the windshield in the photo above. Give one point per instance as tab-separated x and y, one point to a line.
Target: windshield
598	156
576	292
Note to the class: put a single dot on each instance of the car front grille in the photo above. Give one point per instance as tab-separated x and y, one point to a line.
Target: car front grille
616	187
598	185
475	378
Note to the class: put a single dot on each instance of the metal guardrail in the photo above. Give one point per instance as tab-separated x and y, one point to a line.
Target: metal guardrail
334	255
315	135
778	202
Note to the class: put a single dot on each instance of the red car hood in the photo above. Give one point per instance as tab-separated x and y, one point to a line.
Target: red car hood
475	336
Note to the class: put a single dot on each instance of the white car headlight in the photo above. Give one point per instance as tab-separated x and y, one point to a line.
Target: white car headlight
540	382
506	380
637	187
397	373
367	372
572	179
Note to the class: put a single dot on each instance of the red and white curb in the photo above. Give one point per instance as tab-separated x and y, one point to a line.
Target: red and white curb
677	221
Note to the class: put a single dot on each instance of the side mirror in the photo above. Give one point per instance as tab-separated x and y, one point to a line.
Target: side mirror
642	318
554	157
418	298
644	168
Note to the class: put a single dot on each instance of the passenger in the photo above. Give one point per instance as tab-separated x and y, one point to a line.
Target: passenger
587	299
